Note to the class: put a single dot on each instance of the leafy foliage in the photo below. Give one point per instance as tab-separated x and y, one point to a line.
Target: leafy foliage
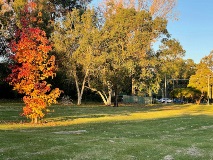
192	94
128	37
203	77
113	54
37	14
6	16
170	54
31	67
75	43
69	5
6	27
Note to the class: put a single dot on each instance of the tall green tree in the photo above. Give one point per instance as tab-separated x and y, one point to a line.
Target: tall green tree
170	55
148	79
75	40
203	77
190	94
187	68
127	37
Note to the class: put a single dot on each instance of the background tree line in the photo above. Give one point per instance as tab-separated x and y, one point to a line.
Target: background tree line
106	50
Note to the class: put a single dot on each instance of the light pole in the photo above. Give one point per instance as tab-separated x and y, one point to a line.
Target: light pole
209	76
211	93
208	89
165	85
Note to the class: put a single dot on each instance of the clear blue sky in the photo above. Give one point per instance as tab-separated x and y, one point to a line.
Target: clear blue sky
194	29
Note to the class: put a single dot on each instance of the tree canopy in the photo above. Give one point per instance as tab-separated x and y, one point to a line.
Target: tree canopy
107	50
75	40
157	8
31	66
203	77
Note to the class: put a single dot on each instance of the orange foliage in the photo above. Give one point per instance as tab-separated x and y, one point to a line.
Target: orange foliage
31	5
30	15
32	66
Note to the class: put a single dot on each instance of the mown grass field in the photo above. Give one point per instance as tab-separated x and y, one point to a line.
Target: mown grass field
95	132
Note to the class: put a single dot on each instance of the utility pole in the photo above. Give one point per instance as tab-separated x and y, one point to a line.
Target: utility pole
165	88
208	92
208	89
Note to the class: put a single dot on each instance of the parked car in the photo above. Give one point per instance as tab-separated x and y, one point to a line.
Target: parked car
165	100
176	100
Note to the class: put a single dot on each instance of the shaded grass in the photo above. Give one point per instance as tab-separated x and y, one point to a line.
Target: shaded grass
121	133
187	137
10	112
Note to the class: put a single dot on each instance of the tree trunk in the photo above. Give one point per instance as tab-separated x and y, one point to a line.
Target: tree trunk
107	99
104	98
133	87
80	92
79	98
34	120
198	100
116	97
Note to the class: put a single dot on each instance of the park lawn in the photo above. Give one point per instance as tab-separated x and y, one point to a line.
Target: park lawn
99	132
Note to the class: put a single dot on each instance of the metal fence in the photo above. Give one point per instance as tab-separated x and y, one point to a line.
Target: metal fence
137	99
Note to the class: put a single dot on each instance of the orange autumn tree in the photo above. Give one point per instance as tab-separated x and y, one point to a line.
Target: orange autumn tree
32	66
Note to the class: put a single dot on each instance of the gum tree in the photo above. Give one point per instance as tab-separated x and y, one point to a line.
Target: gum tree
75	41
170	56
127	37
203	77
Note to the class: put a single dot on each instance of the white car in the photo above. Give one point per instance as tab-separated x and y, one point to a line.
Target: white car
165	100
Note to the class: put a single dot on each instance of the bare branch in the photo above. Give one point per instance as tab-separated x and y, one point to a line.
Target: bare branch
157	8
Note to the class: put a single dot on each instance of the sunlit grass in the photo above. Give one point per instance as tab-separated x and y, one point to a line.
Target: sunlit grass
69	115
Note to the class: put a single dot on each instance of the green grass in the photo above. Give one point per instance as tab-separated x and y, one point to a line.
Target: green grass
183	137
